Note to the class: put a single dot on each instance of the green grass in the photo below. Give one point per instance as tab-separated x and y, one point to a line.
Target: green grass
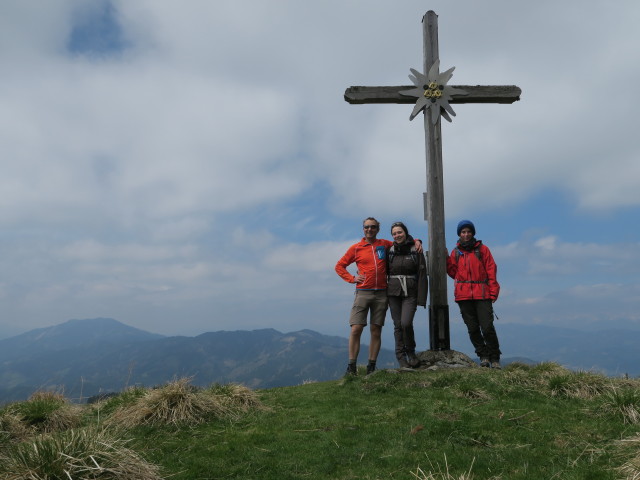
522	422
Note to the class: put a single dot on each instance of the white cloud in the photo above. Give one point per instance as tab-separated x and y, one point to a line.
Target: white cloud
176	177
549	257
92	251
313	258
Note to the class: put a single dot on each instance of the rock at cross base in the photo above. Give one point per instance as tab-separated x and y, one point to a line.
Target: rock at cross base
438	359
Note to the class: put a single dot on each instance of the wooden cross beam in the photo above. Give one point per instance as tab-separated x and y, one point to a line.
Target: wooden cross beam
476	94
433	98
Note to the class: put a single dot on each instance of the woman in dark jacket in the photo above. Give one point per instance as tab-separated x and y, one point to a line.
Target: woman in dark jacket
407	288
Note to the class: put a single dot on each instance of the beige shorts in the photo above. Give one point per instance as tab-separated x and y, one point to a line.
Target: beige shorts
369	300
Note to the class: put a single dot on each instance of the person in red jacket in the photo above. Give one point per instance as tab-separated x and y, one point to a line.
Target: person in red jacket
472	267
370	257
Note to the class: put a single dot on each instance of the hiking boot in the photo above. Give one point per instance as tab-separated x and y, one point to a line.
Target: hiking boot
484	362
352	369
414	361
371	367
496	364
403	362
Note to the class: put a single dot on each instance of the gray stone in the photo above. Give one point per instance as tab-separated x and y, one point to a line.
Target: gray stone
437	359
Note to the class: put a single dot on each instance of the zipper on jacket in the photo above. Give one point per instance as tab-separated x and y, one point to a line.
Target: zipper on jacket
375	265
469	273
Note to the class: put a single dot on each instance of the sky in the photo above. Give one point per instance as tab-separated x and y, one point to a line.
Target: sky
186	167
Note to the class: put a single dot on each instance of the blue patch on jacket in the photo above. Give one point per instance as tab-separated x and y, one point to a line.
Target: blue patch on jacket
381	252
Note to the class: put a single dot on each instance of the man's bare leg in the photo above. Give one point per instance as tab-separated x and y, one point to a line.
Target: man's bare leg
354	341
376	341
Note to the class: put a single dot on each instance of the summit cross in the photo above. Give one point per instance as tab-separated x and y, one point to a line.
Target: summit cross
434	97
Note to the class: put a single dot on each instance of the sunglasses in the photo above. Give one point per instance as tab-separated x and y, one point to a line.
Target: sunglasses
370	227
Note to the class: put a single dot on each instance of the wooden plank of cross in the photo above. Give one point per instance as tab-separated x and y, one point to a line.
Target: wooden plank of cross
431	94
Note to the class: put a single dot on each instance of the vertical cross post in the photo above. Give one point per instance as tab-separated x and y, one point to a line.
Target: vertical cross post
439	338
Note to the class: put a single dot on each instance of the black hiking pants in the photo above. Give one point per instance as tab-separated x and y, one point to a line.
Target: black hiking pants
403	310
478	317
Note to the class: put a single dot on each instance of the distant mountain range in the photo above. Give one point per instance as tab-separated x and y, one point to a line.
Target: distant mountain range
83	358
612	351
87	357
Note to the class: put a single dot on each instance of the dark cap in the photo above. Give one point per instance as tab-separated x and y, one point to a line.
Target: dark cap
466	224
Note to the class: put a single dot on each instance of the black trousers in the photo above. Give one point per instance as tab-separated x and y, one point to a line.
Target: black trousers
478	317
402	311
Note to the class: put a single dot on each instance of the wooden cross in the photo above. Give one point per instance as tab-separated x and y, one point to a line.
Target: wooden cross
443	95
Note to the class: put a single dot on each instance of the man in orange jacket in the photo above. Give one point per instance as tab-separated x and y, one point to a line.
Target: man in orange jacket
370	257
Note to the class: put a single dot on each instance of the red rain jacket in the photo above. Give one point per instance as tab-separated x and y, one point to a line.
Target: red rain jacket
475	278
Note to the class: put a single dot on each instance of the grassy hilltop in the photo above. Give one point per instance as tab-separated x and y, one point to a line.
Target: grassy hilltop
523	422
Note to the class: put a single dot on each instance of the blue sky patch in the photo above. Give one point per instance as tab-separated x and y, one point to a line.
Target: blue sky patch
96	31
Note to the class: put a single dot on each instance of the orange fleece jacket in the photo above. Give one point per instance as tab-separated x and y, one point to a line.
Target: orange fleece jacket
371	261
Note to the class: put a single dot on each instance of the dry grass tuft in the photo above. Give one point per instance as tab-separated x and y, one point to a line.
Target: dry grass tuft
12	429
583	385
237	397
550	378
437	473
521	378
548	368
75	454
630	448
47	412
47	396
630	414
519	366
532	377
177	403
473	394
623	402
66	417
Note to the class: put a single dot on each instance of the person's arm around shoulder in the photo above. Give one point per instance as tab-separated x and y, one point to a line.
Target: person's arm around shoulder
423	281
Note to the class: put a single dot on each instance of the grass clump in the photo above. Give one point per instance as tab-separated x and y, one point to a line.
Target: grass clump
105	408
237	398
176	403
629	449
578	384
46	412
12	429
519	366
622	402
75	454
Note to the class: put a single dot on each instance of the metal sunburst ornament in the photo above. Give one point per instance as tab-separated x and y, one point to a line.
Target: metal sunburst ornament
433	92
